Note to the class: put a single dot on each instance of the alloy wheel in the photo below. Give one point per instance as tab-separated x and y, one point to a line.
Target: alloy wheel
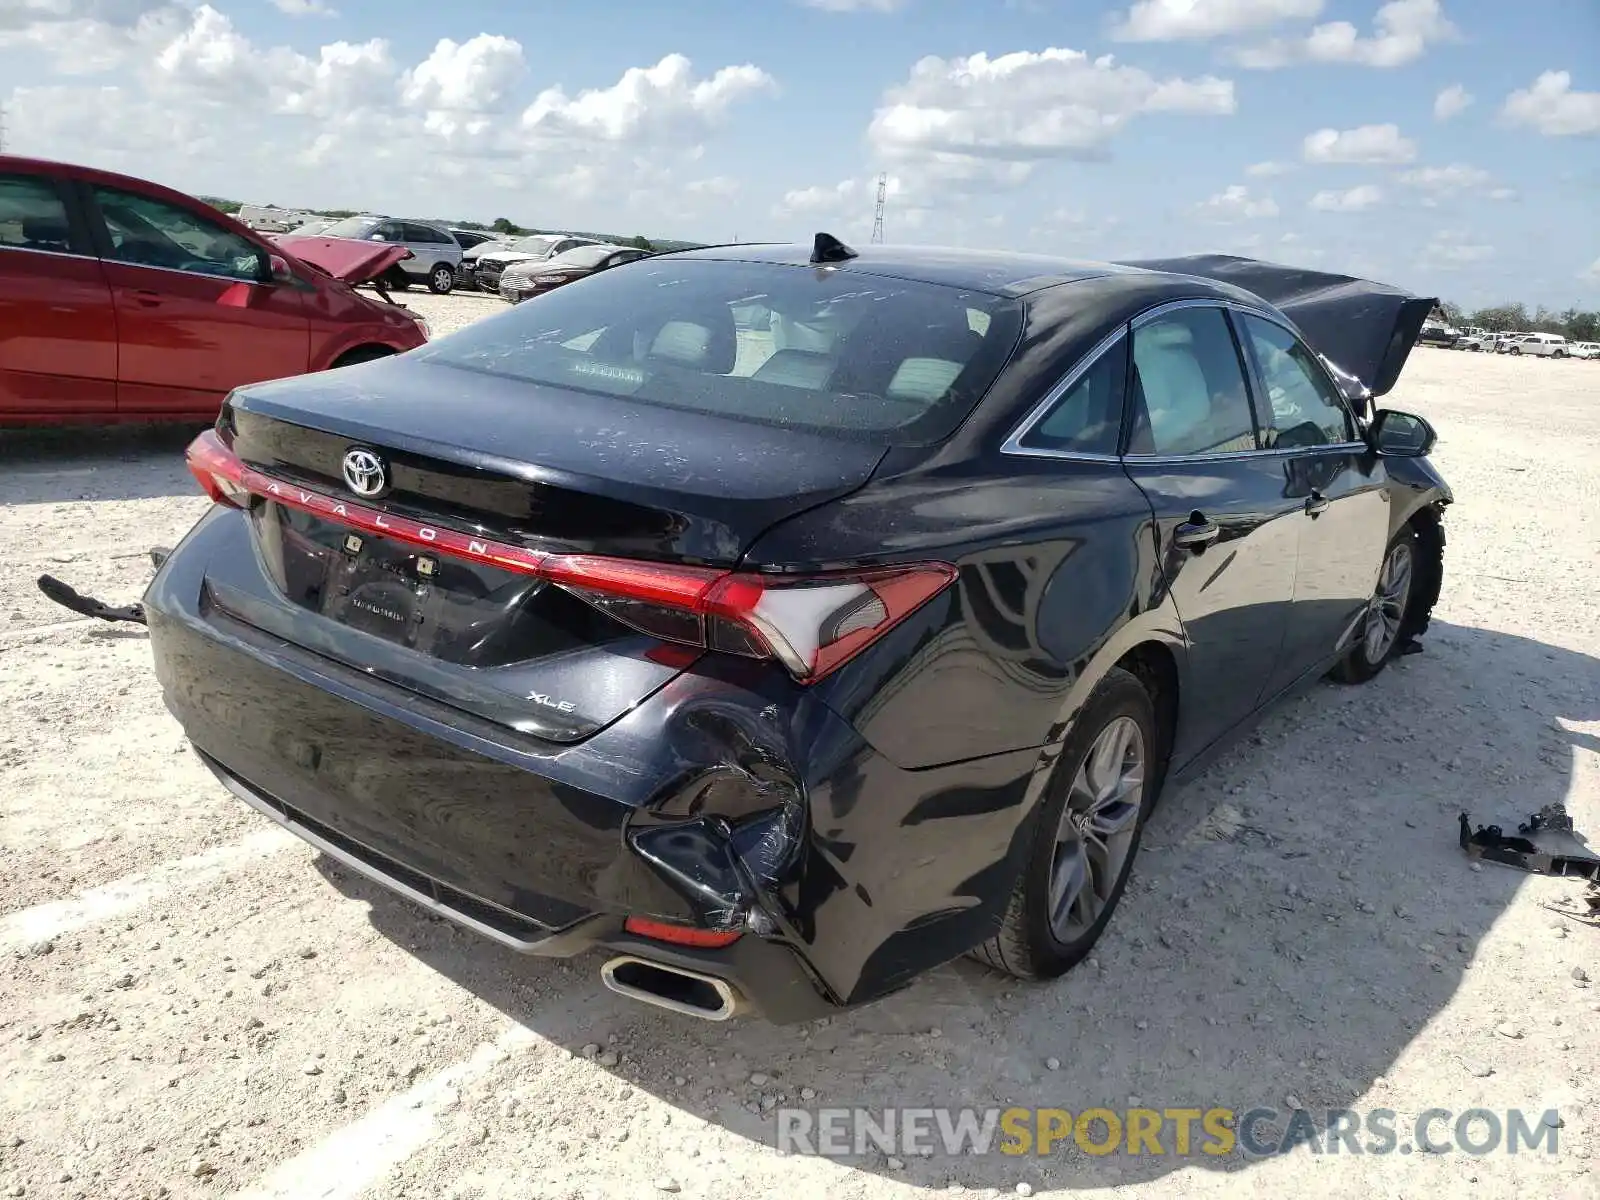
1389	600
1097	827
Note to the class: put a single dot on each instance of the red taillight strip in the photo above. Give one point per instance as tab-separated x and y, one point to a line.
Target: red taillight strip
680	935
679	585
779	614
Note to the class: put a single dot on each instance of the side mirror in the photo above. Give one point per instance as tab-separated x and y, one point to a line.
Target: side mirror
376	237
278	269
1395	434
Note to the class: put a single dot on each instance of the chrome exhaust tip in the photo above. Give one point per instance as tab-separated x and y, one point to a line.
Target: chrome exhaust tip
673	988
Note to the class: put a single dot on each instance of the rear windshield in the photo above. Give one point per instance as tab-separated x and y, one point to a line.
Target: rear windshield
828	351
350	227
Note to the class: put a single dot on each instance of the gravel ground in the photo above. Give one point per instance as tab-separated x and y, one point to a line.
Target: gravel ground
193	1004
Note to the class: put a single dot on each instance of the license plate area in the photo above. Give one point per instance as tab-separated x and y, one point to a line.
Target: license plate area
450	609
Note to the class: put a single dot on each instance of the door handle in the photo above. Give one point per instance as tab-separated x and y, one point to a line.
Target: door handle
1316	503
1196	533
147	298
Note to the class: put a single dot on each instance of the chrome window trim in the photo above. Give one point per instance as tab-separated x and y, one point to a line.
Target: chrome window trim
51	253
1012	446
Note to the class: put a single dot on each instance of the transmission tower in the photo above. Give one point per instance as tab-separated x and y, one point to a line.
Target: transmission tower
877	214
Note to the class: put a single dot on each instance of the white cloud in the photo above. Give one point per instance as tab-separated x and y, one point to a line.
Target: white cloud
820	199
84	37
1504	193
303	8
1451	102
1553	108
206	107
1266	170
1404	31
991	119
1366	144
475	76
1357	199
1235	203
1178	20
1594	270
1449	249
1457	177
663	100
717	186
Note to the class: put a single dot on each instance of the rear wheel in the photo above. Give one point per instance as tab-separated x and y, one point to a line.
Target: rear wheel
1559	354
1517	350
441	279
1387	623
1087	835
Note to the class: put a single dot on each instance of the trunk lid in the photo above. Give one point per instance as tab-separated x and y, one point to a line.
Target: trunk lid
533	467
346	259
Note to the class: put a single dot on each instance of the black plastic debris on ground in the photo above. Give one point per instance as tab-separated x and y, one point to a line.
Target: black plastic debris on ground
1545	844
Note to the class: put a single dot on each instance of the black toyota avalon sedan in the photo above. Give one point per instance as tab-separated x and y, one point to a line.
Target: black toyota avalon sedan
785	621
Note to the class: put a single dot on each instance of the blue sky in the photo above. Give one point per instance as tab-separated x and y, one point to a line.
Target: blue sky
1450	146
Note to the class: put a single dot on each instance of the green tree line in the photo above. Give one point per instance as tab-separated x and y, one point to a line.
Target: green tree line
1574	323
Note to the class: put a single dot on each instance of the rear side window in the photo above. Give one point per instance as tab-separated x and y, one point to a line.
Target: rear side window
32	216
1187	386
836	352
1088	417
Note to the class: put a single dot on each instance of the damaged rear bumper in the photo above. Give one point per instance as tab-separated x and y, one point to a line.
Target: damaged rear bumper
729	802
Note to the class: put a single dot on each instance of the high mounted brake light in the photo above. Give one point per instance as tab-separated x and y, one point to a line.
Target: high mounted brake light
812	624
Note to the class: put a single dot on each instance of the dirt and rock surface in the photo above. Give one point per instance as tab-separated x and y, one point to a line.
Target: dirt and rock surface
192	1004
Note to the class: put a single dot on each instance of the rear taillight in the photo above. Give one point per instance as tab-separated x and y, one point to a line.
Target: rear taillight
812	624
218	470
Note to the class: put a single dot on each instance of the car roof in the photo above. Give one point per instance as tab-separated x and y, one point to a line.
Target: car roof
998	272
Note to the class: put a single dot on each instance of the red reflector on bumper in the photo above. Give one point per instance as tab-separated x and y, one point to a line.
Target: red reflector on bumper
680	935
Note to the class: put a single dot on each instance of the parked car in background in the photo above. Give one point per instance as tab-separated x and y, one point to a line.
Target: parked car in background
1585	350
434	252
785	669
1435	334
1541	345
121	300
524	280
533	248
1504	341
466	270
468	238
1475	341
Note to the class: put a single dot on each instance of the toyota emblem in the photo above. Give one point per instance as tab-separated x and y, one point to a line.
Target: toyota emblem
363	472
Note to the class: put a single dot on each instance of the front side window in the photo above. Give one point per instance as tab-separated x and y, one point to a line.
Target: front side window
152	233
1088	417
854	356
1302	407
32	215
1187	386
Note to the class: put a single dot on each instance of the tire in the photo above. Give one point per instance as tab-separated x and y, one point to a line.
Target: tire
361	354
1393	605
1030	944
1516	351
441	279
1558	354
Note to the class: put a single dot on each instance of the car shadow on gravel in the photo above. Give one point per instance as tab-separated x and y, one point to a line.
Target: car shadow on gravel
116	462
1298	914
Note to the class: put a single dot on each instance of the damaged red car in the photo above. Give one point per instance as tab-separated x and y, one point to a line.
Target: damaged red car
122	300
